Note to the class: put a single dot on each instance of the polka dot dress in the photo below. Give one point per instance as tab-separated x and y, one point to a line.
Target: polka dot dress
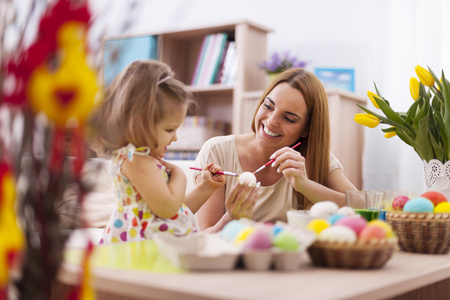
133	220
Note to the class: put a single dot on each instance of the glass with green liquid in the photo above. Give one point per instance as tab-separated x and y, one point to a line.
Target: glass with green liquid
367	203
371	214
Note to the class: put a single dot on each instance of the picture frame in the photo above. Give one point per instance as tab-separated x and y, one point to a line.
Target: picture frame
333	78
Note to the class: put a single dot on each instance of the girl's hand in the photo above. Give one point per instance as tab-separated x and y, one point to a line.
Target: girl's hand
171	169
292	164
210	177
241	201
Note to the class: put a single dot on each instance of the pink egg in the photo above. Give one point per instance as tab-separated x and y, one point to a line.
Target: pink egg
258	239
399	202
357	223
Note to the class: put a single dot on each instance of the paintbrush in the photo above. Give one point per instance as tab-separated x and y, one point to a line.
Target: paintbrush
218	172
272	160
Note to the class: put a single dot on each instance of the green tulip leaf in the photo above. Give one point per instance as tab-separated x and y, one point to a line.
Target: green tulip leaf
437	149
389	129
440	128
409	132
376	89
403	137
412	111
436	105
389	112
422	144
436	79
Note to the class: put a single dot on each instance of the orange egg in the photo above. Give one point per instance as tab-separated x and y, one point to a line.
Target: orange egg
434	197
386	226
372	232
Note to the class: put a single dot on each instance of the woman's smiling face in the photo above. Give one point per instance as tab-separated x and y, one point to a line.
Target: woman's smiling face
282	117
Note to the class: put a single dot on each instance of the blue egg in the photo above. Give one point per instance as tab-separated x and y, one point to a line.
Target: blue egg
333	218
231	229
419	205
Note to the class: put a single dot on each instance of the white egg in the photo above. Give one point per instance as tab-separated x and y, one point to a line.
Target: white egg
247	178
337	233
346	210
323	209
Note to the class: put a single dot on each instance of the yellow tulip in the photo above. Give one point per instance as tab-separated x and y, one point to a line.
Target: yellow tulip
388	135
424	76
414	88
372	96
367	120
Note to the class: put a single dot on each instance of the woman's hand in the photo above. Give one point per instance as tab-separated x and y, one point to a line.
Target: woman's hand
292	164
241	201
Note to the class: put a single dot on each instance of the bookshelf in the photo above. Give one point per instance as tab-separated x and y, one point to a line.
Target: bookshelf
221	102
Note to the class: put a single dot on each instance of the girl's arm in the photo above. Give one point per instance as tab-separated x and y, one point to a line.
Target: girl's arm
163	198
205	187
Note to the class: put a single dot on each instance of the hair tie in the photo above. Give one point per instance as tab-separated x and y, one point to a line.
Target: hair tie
164	80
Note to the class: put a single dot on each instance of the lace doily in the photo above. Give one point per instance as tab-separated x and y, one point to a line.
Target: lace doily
437	175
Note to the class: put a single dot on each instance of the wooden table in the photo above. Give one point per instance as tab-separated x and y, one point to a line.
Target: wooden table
405	276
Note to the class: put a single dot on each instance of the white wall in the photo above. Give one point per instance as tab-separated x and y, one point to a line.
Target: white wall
383	40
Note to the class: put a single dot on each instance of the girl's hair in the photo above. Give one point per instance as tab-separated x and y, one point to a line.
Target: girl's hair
315	146
133	104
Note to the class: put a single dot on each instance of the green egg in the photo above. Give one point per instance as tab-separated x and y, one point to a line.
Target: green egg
286	241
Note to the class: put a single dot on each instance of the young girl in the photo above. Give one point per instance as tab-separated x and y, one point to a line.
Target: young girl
138	118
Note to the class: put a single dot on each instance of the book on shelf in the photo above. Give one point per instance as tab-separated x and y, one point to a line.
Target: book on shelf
219	49
219	70
208	61
230	65
200	58
212	60
119	52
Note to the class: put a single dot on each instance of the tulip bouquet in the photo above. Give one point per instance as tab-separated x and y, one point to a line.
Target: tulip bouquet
426	124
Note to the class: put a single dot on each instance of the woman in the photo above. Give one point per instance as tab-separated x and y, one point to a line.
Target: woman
294	108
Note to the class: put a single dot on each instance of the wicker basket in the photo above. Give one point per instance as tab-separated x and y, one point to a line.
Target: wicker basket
421	232
359	255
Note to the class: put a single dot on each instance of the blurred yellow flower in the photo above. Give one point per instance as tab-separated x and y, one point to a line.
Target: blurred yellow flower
388	135
372	98
367	120
424	76
414	88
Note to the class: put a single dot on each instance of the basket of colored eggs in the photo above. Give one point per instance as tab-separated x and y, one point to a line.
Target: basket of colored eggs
346	240
422	224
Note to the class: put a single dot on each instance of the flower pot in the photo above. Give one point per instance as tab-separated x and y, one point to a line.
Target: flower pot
271	77
437	176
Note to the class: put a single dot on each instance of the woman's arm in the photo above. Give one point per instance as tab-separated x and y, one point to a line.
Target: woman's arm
163	198
212	211
239	204
292	165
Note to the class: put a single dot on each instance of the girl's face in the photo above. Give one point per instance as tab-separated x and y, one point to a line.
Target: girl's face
174	115
282	118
